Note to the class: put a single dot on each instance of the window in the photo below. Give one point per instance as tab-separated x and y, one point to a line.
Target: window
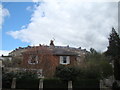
33	59
64	60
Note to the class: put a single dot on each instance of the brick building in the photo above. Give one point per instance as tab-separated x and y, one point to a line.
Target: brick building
45	59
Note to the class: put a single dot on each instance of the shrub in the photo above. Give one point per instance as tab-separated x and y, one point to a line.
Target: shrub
115	86
67	73
25	76
86	83
7	79
99	64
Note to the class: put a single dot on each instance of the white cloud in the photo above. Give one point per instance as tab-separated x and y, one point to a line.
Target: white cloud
30	8
4	52
85	24
3	13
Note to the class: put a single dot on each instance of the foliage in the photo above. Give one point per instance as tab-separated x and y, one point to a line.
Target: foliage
86	84
54	83
117	68
96	67
26	75
93	51
89	73
7	79
114	44
115	86
97	63
21	76
114	52
67	73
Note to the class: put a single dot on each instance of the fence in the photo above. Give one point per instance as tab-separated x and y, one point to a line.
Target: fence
45	84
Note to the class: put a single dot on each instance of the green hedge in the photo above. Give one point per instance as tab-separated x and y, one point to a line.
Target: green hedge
27	84
6	84
86	83
54	83
7	79
24	79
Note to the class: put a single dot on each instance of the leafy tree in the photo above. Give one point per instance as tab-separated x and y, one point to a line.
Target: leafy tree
93	51
114	52
99	64
114	44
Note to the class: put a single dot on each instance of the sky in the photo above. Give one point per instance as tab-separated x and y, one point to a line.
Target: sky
69	22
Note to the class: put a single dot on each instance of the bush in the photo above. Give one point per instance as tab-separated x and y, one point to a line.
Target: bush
86	83
7	79
99	63
67	73
89	73
115	86
25	76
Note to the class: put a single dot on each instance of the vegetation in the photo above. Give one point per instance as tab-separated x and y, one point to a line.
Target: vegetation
96	66
55	83
67	73
7	79
25	76
114	52
86	84
99	63
115	86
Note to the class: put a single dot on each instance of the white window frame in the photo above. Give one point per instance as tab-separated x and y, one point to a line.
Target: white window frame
67	60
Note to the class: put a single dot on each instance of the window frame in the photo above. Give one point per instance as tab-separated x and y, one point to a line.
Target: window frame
62	60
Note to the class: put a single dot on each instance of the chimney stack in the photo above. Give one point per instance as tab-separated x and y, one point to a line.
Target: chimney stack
52	43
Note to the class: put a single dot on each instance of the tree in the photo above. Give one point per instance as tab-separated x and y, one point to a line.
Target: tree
97	63
114	52
93	51
114	44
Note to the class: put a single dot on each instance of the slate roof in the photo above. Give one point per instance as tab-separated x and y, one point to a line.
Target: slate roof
59	51
56	50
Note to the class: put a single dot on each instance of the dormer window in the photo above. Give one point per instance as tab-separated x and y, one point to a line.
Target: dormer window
64	60
33	59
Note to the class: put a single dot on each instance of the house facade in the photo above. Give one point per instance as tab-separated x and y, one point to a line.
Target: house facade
45	59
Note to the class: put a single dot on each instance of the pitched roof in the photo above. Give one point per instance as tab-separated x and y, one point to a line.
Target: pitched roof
59	51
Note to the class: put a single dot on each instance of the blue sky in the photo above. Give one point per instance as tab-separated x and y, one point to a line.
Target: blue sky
19	16
69	22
